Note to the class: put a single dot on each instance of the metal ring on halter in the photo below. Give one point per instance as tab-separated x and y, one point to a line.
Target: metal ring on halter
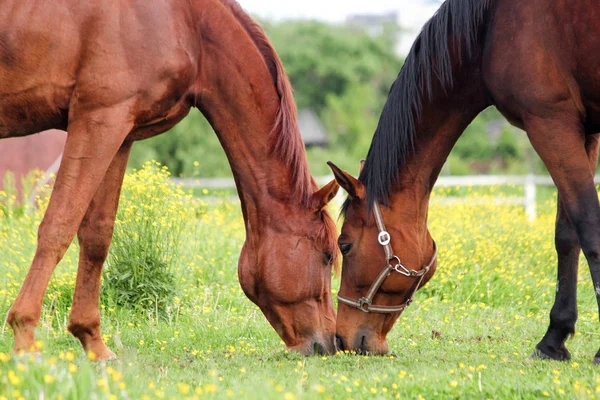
361	302
399	268
384	238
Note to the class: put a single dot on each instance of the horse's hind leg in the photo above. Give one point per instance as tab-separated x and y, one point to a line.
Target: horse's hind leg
94	235
93	140
564	312
561	144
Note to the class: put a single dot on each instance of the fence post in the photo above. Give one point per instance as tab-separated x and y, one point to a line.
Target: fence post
530	195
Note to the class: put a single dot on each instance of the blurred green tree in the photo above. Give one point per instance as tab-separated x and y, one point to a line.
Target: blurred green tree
344	75
341	73
327	60
191	148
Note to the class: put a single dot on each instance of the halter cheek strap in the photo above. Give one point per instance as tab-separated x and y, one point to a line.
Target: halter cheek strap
393	265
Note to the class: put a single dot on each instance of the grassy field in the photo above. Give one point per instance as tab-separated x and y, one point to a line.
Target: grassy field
490	301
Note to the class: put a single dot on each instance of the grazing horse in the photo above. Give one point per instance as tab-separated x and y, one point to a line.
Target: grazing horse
110	73
538	62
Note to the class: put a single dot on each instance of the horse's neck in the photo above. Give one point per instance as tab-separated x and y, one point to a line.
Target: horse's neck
441	122
441	125
237	94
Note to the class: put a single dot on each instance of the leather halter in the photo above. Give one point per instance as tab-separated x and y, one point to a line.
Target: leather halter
393	265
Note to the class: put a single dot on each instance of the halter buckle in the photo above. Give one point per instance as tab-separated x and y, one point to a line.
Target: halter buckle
362	302
399	268
402	270
384	238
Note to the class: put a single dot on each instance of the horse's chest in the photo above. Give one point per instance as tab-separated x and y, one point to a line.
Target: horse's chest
162	123
165	104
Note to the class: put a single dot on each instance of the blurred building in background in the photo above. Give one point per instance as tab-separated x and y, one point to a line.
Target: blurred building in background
404	24
312	129
411	19
374	24
378	25
22	155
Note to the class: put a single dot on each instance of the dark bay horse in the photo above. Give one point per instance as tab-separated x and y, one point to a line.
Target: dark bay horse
114	72
538	62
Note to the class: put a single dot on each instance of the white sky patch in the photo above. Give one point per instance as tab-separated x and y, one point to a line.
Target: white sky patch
412	14
325	10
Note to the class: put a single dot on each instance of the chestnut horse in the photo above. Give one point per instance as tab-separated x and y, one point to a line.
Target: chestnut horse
537	61
114	72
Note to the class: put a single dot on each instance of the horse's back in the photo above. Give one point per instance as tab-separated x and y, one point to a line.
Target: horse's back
541	54
55	56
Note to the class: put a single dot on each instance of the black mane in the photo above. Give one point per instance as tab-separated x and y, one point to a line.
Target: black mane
431	57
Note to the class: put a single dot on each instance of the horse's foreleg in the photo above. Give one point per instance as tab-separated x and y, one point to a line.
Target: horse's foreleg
564	312
94	235
571	160
92	142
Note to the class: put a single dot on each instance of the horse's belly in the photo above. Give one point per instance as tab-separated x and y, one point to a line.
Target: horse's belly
33	111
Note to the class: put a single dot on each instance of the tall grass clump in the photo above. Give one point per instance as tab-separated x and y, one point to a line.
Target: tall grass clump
153	214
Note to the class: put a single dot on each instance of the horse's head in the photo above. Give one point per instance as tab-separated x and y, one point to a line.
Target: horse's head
378	282
285	268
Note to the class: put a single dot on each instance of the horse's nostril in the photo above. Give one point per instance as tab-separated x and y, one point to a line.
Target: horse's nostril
339	343
363	345
316	348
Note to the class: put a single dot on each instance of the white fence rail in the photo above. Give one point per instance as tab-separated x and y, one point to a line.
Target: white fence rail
529	182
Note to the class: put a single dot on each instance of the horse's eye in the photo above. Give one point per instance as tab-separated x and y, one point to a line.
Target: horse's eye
327	257
345	248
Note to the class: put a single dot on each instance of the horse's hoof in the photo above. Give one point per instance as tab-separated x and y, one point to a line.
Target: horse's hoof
596	360
106	356
35	356
551	354
113	357
539	355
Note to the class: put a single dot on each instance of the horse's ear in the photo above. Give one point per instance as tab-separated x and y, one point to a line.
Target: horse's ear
323	196
349	183
362	166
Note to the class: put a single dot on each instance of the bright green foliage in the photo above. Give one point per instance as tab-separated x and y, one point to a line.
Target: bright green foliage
12	202
343	75
191	148
9	203
488	303
152	216
326	60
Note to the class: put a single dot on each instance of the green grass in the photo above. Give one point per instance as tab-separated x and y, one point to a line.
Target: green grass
490	301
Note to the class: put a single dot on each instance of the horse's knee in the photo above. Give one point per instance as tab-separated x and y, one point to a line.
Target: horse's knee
565	238
20	318
96	251
83	327
94	239
564	319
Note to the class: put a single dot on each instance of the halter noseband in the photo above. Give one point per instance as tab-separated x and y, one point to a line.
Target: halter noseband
365	303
